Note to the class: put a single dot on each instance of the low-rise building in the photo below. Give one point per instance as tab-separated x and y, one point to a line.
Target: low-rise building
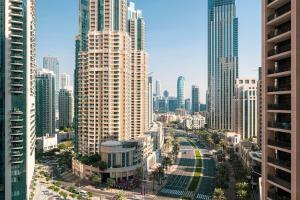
232	139
47	142
193	122
124	158
64	136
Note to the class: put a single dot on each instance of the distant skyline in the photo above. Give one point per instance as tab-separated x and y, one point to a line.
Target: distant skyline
176	38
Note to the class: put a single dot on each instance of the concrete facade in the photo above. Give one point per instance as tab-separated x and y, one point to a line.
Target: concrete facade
281	99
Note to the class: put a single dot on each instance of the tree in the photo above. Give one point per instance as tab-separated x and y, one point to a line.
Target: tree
242	191
56	189
101	165
111	182
95	178
153	177
242	195
121	196
161	173
90	194
219	194
63	195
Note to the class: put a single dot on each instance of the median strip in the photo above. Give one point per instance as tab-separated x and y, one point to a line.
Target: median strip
197	172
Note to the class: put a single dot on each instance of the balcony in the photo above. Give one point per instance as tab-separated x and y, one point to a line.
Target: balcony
281	163
276	3
282	88
280	15
279	50
279	107
286	185
16	160
280	144
280	34
279	70
275	196
280	125
256	170
16	153
16	146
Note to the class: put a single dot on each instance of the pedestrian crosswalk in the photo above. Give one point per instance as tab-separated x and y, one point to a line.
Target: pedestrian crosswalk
203	197
189	194
171	192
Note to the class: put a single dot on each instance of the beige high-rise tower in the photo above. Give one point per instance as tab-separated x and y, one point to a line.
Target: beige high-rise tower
110	75
103	73
281	99
139	86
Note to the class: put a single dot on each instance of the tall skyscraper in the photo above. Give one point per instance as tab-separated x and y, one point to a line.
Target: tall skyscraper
150	101
17	99
245	108
195	99
172	104
65	81
188	105
52	64
222	62
281	95
45	103
65	108
109	50
139	79
181	91
157	88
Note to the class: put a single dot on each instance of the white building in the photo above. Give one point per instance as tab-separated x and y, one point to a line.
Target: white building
245	107
232	138
47	142
65	81
194	122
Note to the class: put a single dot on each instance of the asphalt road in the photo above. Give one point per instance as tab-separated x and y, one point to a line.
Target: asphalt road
179	180
207	184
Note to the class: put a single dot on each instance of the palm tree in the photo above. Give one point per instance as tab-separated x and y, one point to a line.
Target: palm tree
153	177
121	196
111	182
219	194
242	195
161	173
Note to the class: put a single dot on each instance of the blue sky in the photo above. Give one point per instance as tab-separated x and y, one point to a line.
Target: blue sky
176	38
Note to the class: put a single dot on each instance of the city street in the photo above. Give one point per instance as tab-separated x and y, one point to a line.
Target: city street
178	182
207	184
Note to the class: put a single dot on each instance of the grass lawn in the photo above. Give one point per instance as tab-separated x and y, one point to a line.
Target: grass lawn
197	173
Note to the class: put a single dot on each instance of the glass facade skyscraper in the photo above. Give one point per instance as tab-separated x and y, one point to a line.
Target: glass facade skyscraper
17	98
195	99
45	103
181	92
52	64
222	62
